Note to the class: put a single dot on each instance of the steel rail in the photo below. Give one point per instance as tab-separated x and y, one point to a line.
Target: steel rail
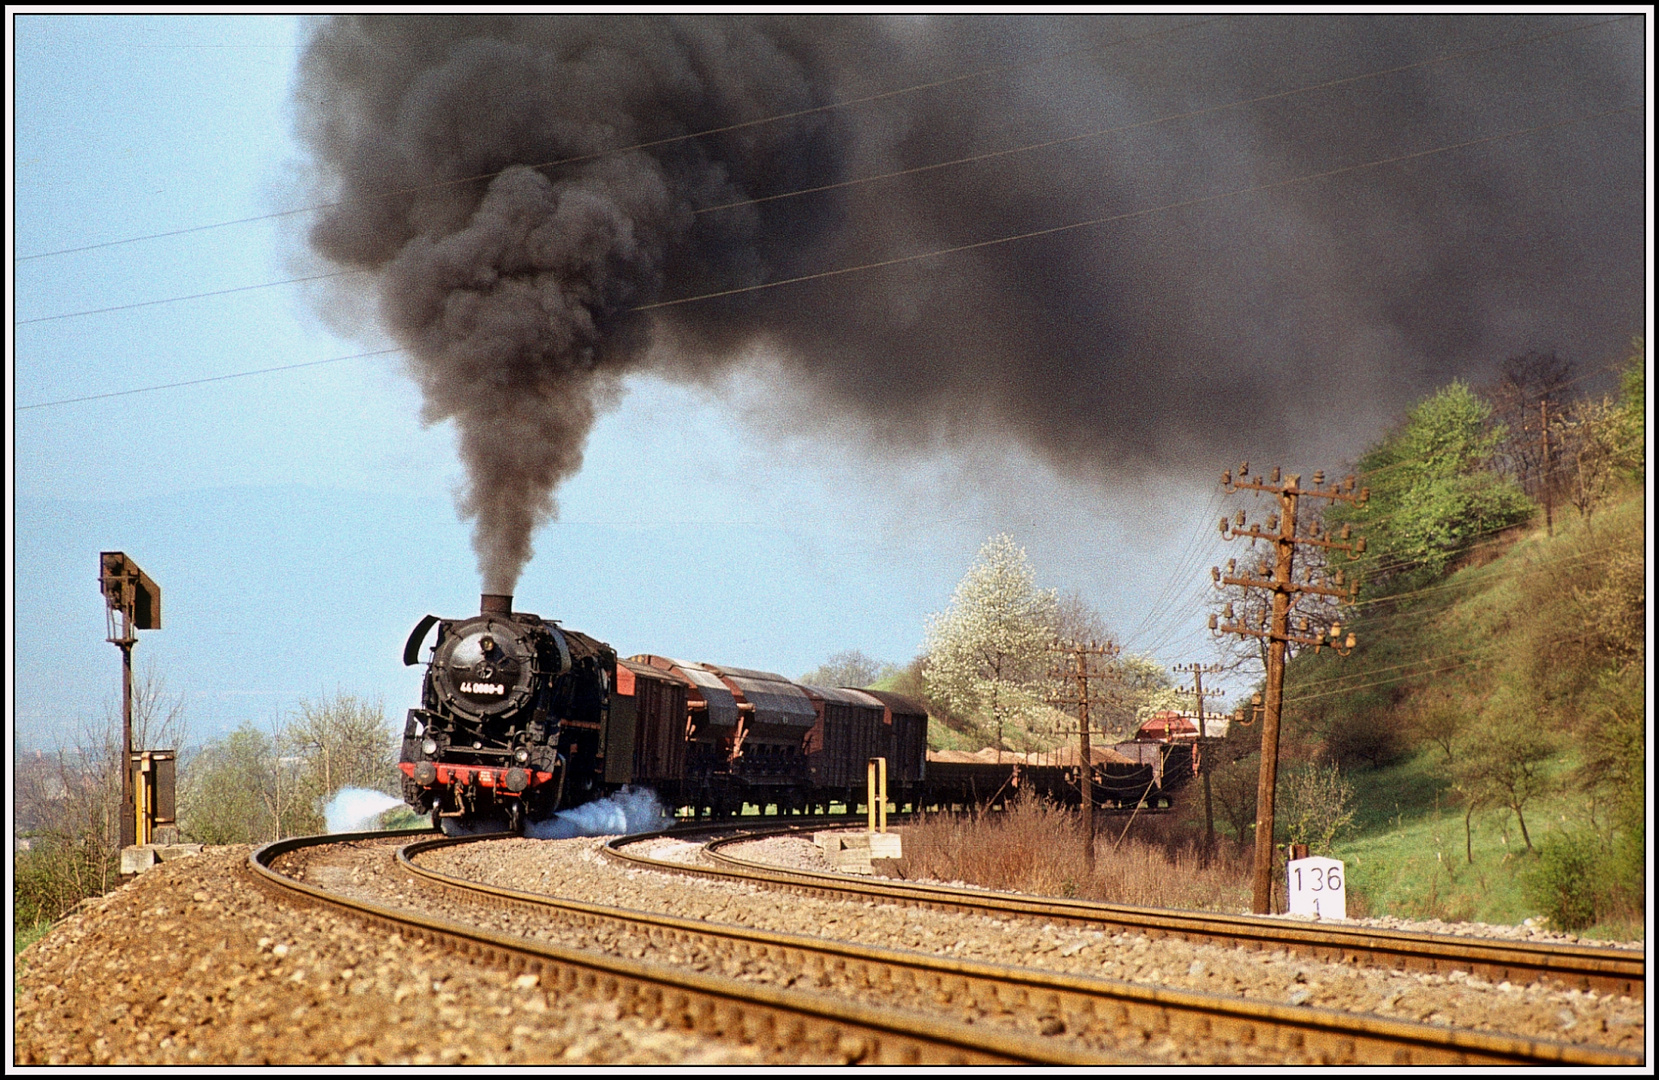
1585	967
1086	1006
788	1020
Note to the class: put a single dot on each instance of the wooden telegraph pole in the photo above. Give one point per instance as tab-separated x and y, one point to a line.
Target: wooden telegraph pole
1544	474
1281	532
1198	671
1080	652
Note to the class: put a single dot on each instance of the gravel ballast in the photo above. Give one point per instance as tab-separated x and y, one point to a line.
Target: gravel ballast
192	964
576	869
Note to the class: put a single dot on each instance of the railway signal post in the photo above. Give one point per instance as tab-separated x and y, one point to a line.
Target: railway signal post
134	603
1080	653
1281	531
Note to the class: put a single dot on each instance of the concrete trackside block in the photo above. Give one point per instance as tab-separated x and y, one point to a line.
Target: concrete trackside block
142	857
886	846
138	858
852	851
847	852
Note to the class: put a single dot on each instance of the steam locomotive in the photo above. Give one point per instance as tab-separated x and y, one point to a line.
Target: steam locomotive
521	717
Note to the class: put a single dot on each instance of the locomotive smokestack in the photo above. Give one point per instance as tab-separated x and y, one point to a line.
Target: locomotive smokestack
495	604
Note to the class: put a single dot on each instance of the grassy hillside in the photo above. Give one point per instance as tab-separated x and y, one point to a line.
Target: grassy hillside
1492	726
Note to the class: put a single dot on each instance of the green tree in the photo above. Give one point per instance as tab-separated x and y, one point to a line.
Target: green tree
850	667
238	791
1235	772
988	654
341	742
1318	805
1504	760
1432	490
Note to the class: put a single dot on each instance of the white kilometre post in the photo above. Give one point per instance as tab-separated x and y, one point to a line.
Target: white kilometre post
1317	886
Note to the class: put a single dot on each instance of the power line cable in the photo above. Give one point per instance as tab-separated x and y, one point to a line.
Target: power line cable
1374	623
1288	700
902	259
1192	550
1419	662
198	382
193	296
991	155
649	144
1128	215
1328	84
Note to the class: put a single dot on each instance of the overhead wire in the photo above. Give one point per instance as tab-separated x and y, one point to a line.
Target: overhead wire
192	296
1475	579
1161	627
651	143
1329	84
1195	604
1373	624
971	159
1419	662
1182	204
1190	550
208	379
1252	189
1291	699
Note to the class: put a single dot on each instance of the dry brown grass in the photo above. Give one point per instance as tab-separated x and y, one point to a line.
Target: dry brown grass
1037	847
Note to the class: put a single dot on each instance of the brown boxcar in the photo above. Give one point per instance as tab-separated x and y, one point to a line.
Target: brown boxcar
904	744
775	716
849	732
647	732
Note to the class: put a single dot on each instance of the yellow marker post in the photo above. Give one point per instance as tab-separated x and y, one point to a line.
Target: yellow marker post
876	786
882	844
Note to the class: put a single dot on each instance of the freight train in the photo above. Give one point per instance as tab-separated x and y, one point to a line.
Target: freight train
521	717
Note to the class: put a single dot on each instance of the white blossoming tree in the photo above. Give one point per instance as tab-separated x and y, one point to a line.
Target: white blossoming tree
988	655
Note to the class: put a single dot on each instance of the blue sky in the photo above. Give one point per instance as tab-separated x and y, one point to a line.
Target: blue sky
300	522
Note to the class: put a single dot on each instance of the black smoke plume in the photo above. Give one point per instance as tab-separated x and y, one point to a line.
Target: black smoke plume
519	186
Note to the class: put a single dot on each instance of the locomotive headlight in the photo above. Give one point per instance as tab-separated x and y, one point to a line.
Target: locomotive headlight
429	747
522	756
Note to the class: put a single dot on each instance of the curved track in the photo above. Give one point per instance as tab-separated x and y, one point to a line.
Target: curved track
811	1026
893	1005
1584	967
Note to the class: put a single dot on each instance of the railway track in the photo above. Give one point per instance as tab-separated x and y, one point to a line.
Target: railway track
879	1004
1584	967
808	1026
